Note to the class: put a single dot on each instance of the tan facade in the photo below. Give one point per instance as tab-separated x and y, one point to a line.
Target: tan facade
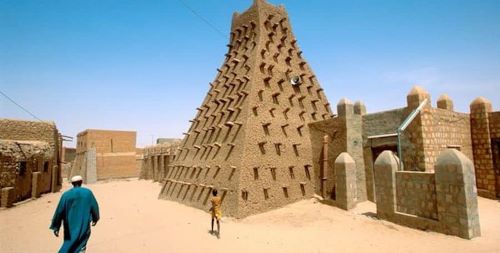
332	137
105	154
30	159
433	130
250	137
157	159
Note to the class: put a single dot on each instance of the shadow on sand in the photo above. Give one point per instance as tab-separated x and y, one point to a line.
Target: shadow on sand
370	215
214	233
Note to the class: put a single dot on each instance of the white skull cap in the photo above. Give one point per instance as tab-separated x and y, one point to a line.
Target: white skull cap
76	178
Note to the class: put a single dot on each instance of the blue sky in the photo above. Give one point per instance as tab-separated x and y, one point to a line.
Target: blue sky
146	65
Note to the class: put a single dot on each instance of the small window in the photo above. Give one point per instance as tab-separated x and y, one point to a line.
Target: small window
46	167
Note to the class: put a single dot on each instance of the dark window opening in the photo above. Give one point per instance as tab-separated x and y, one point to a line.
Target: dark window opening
22	168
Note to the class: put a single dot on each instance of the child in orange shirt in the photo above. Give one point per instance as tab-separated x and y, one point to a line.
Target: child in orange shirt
216	212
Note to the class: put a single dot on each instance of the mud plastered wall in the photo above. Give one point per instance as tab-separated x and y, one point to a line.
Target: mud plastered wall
336	132
250	137
344	135
27	147
157	161
115	153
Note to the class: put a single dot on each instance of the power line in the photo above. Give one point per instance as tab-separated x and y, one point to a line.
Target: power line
20	106
203	19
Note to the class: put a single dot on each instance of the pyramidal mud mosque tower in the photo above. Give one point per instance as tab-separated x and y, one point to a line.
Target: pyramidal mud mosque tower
250	139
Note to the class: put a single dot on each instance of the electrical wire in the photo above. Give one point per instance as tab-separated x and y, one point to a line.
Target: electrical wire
20	106
202	18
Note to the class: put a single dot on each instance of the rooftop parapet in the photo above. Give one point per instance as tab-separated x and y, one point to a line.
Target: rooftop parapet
445	102
481	104
416	96
345	107
359	108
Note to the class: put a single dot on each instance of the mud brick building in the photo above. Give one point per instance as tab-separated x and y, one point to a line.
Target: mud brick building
433	130
105	154
250	137
157	159
30	160
69	154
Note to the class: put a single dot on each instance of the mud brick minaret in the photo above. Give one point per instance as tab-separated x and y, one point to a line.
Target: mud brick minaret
250	138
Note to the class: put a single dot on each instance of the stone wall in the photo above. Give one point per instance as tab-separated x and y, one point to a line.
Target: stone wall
494	124
495	142
416	193
480	110
445	129
455	194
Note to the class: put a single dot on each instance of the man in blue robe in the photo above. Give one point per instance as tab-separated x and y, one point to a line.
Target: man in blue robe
77	208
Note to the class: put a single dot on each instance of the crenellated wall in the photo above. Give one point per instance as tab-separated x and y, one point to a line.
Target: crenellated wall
444	201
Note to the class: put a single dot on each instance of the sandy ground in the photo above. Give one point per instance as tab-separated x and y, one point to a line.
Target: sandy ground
133	220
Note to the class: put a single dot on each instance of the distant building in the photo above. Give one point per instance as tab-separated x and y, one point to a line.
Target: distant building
166	140
30	160
105	154
69	154
156	160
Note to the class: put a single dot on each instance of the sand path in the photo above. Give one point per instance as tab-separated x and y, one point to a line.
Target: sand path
133	220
